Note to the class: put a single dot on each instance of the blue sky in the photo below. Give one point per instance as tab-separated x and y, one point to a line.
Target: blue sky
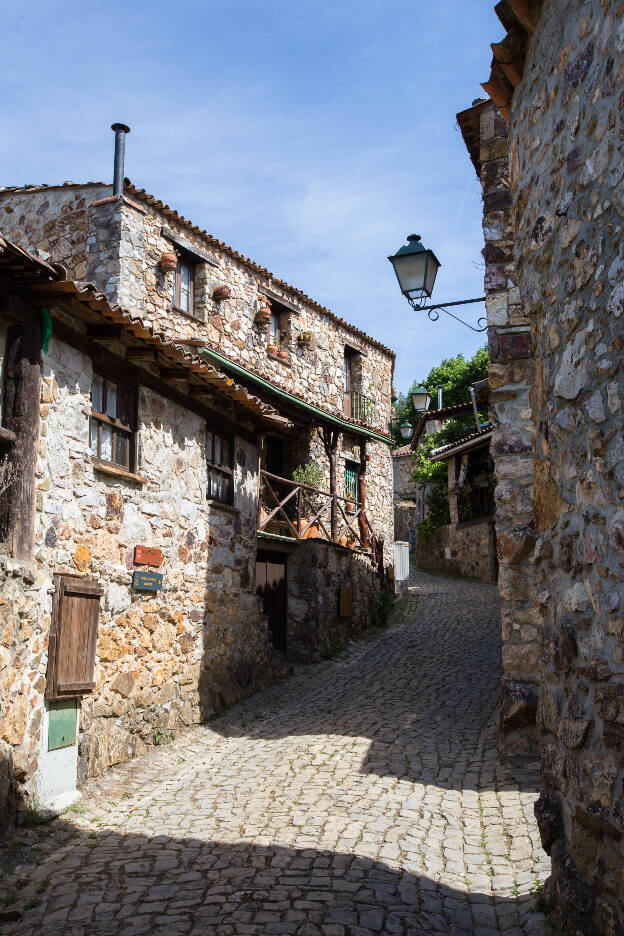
311	135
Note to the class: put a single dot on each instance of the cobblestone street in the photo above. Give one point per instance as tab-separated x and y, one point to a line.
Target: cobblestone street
365	795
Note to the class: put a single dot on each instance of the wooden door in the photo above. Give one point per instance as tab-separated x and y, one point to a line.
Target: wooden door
271	586
73	637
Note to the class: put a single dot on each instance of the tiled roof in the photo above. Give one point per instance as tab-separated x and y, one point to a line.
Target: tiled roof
469	123
145	196
519	18
474	440
40	278
403	450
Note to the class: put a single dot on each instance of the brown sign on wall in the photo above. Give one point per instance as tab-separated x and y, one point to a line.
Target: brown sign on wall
147	555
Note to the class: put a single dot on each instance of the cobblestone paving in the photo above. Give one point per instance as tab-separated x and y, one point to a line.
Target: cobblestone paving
363	796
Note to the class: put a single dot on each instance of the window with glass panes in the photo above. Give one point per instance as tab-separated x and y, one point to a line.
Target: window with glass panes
219	458
183	287
113	421
274	329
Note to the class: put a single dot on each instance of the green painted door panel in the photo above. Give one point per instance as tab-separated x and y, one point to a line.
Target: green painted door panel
62	724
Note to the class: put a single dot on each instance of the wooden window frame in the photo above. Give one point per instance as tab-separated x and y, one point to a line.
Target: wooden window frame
176	302
274	339
65	586
226	470
117	426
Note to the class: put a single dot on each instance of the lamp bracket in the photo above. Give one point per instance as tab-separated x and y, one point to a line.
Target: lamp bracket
433	314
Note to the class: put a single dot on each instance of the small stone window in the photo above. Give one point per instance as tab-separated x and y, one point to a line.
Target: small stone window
279	326
220	463
112	430
274	329
183	299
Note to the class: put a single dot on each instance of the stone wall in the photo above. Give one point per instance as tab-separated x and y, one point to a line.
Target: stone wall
25	608
566	131
165	660
316	571
117	243
464	550
53	221
511	376
409	500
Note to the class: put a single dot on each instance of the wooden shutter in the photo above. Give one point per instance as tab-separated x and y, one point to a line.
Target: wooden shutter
73	637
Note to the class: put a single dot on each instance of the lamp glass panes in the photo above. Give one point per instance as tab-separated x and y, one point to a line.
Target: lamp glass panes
420	399
416	268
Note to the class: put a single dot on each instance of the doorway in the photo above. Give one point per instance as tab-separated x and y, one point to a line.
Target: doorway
271	586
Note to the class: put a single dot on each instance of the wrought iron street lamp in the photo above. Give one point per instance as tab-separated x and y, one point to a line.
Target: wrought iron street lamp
416	269
420	399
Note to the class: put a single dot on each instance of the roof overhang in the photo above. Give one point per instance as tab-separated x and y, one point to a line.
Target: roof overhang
479	440
303	406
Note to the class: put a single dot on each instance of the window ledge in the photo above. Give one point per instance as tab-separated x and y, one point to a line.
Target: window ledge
228	508
116	472
286	362
191	316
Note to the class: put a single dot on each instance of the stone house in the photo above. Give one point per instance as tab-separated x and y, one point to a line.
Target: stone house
466	546
158	562
548	150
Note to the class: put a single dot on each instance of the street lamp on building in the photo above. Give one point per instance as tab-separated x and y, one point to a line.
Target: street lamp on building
406	430
420	399
416	269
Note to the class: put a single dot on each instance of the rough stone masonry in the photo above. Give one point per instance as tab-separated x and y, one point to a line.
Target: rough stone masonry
564	98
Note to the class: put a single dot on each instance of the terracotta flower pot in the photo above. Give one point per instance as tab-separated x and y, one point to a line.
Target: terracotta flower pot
313	532
350	506
168	261
263	316
302	526
283	354
221	292
343	541
272	349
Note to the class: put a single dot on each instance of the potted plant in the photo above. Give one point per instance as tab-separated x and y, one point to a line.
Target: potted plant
304	339
283	349
310	475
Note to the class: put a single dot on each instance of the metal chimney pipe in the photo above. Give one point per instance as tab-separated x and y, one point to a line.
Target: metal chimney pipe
474	407
120	152
439	397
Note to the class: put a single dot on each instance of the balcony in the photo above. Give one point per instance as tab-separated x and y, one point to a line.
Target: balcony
298	511
475	504
359	408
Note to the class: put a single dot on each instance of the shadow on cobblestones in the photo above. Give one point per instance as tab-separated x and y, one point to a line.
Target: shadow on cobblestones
364	796
425	695
108	884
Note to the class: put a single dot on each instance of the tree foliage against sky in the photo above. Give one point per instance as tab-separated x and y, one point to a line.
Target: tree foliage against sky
455	375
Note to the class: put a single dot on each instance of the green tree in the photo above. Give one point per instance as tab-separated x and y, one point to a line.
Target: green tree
455	375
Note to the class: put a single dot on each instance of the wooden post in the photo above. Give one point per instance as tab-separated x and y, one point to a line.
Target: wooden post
364	533
330	442
21	416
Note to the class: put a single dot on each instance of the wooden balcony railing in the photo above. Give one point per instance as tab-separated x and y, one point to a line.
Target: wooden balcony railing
359	408
301	512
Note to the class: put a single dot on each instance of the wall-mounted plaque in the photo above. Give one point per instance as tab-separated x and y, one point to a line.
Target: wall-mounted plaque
147	581
148	555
